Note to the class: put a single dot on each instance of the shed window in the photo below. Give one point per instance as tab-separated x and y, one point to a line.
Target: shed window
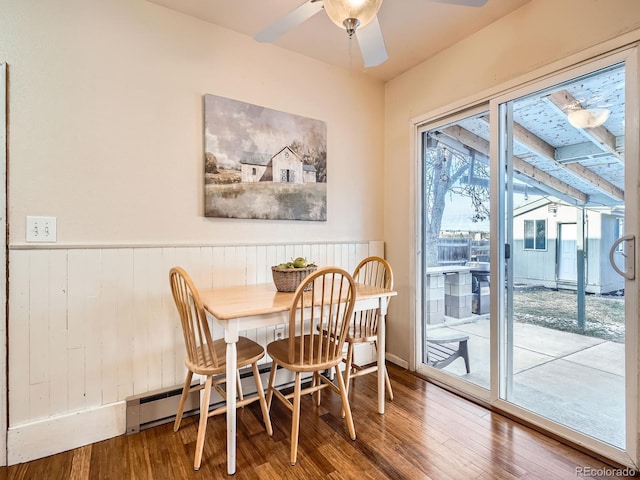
535	234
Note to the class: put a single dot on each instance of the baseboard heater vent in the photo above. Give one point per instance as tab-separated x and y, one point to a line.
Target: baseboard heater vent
158	407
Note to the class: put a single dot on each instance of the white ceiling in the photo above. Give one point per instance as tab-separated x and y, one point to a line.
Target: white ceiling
414	30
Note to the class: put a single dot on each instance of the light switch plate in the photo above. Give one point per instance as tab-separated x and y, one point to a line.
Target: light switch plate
41	229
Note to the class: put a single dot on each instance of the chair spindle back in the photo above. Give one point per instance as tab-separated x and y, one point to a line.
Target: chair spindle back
195	328
321	316
375	271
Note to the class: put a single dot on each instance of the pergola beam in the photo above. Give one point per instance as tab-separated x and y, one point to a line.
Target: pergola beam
481	145
579	152
537	145
602	137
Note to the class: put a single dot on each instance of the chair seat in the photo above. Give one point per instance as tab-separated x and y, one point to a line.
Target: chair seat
279	351
441	353
361	334
248	352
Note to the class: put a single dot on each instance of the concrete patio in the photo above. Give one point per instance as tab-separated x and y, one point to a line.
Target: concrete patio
575	380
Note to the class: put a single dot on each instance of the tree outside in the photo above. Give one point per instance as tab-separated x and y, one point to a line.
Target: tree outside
457	172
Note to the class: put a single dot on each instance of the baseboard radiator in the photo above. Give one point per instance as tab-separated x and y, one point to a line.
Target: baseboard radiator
158	407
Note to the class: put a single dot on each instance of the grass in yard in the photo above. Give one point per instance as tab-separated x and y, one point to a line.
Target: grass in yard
558	309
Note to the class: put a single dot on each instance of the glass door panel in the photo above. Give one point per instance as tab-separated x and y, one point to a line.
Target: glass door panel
562	322
455	246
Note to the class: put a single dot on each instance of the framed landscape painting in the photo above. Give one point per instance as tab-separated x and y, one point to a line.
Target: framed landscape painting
262	163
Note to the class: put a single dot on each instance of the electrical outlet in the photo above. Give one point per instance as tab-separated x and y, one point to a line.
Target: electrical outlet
278	332
41	229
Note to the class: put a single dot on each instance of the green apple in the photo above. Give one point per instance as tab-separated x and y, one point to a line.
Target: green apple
300	262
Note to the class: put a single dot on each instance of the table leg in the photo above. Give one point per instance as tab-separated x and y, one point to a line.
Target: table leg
231	337
381	353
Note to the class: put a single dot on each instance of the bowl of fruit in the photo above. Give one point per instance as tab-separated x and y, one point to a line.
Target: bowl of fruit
287	276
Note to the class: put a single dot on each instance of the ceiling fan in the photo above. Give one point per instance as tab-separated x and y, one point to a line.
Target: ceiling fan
355	16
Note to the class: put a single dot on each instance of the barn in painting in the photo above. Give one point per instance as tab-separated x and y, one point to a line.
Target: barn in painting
283	167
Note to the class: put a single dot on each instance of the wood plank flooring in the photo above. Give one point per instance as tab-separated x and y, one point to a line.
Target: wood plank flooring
426	433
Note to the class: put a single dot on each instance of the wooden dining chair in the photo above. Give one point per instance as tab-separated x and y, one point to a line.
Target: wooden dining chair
364	324
318	322
206	356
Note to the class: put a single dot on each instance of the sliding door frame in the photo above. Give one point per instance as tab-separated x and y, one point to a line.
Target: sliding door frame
624	48
500	376
475	390
3	273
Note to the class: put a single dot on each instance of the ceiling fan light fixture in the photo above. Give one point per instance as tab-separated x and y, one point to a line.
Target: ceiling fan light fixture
350	25
588	118
351	14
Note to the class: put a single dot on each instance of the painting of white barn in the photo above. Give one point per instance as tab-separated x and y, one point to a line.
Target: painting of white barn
262	163
283	167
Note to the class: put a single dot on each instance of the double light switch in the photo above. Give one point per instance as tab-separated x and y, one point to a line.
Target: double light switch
41	229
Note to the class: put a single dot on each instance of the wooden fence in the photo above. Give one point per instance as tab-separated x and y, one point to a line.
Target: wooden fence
458	251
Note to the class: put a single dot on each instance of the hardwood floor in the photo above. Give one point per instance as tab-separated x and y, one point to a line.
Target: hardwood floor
426	433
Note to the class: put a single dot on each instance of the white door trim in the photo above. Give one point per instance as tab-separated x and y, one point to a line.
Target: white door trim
3	273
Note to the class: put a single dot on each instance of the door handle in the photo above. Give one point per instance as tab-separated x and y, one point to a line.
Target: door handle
629	254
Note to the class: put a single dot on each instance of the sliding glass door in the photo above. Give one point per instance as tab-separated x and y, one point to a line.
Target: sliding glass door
528	220
563	319
456	239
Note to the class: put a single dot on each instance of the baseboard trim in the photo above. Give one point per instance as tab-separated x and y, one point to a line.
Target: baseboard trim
397	360
65	432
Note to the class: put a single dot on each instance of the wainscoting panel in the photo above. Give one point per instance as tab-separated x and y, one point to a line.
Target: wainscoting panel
90	326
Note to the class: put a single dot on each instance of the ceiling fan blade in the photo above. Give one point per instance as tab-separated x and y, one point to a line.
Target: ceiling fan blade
371	41
289	21
466	3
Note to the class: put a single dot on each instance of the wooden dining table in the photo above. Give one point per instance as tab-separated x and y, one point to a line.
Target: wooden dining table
246	307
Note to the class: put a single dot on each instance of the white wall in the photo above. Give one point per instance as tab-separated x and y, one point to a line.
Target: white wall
106	127
106	134
538	34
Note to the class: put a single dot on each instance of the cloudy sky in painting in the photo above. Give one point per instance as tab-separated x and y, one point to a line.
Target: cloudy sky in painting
233	128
